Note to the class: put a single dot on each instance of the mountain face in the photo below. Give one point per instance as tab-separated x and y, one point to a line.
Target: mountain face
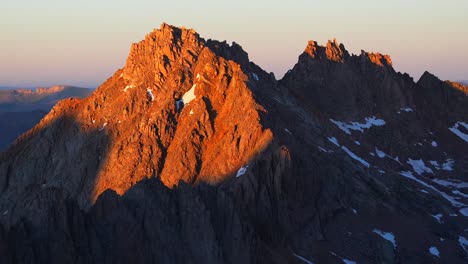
22	109
193	154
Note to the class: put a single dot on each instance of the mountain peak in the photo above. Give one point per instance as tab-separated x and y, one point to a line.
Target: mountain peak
377	58
336	52
332	51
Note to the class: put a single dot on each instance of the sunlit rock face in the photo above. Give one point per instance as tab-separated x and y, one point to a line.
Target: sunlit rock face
193	154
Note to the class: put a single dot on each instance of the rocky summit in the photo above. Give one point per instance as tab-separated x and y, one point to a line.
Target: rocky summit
191	153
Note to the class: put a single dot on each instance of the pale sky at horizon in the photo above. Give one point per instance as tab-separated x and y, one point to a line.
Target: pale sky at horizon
84	42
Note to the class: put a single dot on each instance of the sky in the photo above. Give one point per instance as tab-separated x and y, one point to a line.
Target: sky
83	42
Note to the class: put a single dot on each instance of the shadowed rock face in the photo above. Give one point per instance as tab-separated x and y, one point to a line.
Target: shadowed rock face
193	154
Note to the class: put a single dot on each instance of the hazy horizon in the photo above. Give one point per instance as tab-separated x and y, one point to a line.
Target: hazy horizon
83	43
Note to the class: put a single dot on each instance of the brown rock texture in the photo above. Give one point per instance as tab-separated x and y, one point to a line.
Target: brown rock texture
140	131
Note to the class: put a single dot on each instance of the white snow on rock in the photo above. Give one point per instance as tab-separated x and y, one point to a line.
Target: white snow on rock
241	171
103	126
334	141
457	192
150	93
347	261
387	236
456	130
287	131
435	164
354	156
406	109
5	213
419	167
464	211
357	143
190	95
448	165
463	243
409	175
372	154
130	86
434	144
438	217
452	183
303	259
370	121
255	76
349	152
434	251
380	153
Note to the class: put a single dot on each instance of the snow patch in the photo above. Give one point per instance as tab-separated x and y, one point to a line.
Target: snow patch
434	251
434	144
464	211
255	76
448	165
457	192
303	259
334	141
463	243
357	143
347	261
435	164
103	126
452	183
380	153
354	156
130	86
387	236
370	121
241	171
406	109
150	93
438	217
287	131
409	175
190	95
324	150
456	130
5	213
419	167
372	154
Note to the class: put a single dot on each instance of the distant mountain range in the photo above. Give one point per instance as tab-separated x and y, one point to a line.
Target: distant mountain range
21	109
191	153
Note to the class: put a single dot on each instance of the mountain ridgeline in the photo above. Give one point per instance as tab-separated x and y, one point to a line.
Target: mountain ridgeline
22	109
191	153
